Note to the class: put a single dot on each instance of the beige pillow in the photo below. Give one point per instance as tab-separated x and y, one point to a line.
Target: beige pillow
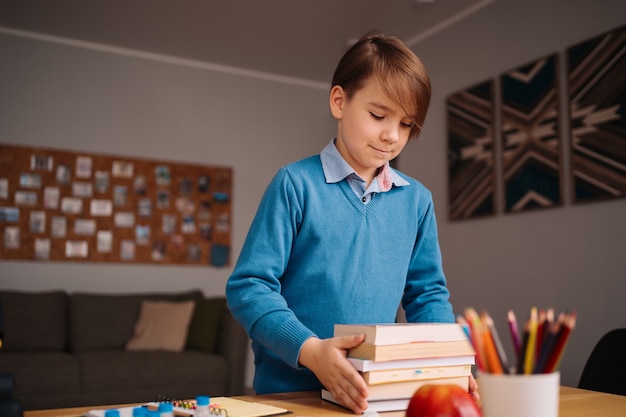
162	325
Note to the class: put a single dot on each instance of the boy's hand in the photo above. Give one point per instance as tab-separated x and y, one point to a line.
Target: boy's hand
473	388
327	359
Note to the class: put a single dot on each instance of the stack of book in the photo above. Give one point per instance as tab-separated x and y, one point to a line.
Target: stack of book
397	359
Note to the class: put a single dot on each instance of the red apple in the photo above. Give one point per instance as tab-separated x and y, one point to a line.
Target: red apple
442	400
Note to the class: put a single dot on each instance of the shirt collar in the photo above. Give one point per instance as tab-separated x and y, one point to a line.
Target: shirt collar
336	169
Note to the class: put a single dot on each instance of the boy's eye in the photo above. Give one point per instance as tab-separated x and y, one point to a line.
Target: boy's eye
377	116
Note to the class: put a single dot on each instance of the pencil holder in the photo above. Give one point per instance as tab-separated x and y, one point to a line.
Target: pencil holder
515	395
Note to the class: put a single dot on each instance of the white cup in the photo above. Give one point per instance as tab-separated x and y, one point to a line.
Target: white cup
534	395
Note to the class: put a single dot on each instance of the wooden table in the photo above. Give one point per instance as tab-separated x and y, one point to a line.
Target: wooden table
574	402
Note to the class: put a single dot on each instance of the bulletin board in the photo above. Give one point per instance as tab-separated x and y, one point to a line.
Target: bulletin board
83	207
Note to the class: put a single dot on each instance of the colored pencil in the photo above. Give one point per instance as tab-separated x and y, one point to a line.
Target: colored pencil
514	331
529	355
538	347
541	327
491	355
523	346
549	320
570	323
465	326
548	343
556	353
476	330
491	327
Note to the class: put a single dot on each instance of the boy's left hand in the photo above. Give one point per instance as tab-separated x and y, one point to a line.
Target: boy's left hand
327	359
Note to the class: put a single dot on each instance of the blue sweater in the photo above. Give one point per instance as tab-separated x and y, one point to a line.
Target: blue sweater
315	255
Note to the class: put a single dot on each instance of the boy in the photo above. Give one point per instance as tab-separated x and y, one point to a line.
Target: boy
341	237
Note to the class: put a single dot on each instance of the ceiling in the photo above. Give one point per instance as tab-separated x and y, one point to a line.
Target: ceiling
289	38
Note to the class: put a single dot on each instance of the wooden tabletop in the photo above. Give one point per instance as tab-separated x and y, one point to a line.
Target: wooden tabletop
574	402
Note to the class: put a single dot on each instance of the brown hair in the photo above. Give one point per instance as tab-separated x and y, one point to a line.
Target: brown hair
400	73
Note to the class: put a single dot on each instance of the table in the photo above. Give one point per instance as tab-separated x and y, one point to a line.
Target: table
574	402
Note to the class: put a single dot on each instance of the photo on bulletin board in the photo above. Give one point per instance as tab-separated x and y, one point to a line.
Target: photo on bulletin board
596	76
58	205
531	139
471	174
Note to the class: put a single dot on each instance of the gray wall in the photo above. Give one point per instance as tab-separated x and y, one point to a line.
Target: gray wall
78	98
72	98
567	257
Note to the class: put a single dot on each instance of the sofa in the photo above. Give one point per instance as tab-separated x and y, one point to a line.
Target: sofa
82	349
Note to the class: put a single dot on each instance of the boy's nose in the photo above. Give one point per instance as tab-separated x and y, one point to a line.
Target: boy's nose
390	134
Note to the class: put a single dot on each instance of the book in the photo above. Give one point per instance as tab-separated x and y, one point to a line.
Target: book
402	390
415	374
412	350
233	407
399	404
406	389
398	333
365	365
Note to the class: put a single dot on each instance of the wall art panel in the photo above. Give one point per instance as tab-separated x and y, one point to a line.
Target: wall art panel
596	72
531	141
471	180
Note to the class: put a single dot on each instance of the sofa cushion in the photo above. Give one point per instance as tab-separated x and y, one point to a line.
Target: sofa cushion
162	325
34	321
107	321
202	334
35	372
150	369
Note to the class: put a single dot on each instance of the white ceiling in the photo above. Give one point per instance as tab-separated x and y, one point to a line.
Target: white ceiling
289	38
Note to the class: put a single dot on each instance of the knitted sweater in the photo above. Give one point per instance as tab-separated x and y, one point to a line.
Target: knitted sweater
315	255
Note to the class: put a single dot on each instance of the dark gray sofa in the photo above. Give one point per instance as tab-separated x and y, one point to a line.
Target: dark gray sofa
68	350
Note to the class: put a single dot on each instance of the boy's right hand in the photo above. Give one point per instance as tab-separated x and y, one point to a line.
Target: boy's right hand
327	359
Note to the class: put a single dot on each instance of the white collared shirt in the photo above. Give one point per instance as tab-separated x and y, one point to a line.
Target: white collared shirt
337	169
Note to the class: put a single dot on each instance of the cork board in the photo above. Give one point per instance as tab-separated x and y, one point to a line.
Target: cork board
82	207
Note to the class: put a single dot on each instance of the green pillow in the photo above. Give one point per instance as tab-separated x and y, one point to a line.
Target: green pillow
202	334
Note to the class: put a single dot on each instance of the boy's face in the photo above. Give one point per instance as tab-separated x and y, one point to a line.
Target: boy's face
371	131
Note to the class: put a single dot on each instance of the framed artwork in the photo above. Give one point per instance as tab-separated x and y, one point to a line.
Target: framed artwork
66	206
471	174
596	75
531	141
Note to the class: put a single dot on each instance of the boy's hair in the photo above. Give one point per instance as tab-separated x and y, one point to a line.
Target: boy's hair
400	73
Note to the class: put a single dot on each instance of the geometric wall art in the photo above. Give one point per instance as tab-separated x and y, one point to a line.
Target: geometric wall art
596	72
505	142
471	174
531	141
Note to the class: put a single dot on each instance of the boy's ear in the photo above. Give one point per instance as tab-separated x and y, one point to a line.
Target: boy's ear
337	99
